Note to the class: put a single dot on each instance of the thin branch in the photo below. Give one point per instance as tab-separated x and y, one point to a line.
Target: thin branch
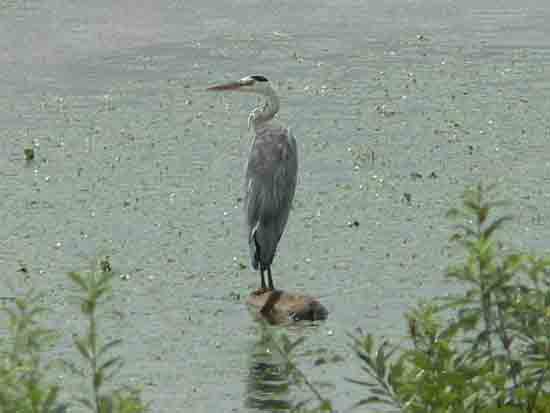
531	405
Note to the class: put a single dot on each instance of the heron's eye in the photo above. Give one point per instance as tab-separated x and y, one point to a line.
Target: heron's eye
259	78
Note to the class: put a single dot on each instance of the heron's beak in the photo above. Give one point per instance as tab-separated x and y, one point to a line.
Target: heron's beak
226	86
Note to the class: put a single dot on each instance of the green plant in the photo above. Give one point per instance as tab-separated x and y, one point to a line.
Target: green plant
94	289
24	387
24	383
486	349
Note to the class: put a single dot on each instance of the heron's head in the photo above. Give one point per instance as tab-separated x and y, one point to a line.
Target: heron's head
252	84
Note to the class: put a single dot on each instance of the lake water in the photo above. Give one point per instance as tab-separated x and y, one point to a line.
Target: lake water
397	107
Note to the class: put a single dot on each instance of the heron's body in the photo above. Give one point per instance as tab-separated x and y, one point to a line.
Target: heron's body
271	173
270	187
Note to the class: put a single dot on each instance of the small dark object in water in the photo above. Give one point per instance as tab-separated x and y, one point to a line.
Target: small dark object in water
105	264
279	307
29	154
354	223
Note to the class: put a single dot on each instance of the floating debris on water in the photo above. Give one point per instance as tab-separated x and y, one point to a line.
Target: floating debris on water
29	154
105	264
353	224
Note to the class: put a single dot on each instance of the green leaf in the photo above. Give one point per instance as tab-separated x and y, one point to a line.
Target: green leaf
360	382
72	367
296	343
482	214
285	343
82	347
78	280
86	402
114	362
108	346
381	361
487	232
468	231
366	359
472	206
100	292
326	406
396	372
87	306
371	400
106	404
51	399
455	213
35	311
449	332
98	379
503	409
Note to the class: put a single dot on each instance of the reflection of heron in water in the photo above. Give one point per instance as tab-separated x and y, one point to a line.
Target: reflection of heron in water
268	382
270	176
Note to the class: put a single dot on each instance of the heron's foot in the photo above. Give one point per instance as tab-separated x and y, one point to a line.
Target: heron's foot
261	291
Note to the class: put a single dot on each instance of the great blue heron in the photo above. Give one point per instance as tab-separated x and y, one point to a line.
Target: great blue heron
270	175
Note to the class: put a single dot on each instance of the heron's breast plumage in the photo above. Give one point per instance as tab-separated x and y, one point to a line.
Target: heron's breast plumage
271	148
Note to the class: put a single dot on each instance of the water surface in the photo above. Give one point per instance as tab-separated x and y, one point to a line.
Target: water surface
136	161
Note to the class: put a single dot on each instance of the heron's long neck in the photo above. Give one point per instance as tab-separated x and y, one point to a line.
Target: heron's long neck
266	112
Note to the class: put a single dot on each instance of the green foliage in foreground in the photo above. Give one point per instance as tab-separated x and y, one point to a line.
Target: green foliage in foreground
484	350
25	386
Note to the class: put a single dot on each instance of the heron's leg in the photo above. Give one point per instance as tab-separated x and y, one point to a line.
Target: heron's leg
269	279
262	269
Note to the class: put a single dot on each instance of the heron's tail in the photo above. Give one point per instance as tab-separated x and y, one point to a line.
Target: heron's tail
254	247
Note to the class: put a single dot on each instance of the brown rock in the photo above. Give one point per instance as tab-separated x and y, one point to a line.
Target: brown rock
278	307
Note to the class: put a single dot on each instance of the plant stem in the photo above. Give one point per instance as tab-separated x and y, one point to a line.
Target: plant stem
310	386
531	404
93	360
485	295
505	340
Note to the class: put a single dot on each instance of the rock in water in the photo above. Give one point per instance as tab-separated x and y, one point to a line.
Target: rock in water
278	306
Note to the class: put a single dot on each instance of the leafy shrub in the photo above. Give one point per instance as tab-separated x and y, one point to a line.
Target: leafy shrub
486	349
24	383
24	387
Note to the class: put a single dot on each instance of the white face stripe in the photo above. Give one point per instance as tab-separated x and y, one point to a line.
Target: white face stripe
254	79
251	85
247	79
